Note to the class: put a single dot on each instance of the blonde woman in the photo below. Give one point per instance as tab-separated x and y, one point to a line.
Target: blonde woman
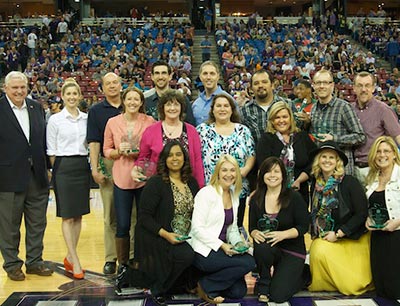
339	253
285	140
383	192
214	234
67	150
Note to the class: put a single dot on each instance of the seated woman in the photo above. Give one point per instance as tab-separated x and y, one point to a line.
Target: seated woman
280	245
383	192
161	258
215	233
339	253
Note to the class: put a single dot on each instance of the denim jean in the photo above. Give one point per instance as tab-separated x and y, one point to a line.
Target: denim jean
123	202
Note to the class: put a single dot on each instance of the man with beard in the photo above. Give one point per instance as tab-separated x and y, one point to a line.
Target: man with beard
334	119
161	75
254	114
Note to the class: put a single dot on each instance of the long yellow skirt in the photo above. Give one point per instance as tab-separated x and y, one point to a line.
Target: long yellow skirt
342	266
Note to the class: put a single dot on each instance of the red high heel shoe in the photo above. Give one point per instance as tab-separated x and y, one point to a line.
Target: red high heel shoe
79	275
69	267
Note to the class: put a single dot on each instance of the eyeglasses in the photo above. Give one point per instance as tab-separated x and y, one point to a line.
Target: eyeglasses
325	83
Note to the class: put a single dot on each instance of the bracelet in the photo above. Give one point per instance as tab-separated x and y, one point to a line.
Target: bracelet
337	235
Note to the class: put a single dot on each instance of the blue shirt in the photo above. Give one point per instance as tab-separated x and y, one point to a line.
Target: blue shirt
201	106
206	43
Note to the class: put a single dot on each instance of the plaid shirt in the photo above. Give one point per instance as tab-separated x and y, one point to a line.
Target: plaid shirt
338	119
255	117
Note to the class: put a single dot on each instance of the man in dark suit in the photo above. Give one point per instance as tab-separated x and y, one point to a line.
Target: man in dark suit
23	178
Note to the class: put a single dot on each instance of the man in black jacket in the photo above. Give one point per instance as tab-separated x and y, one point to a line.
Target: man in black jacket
23	178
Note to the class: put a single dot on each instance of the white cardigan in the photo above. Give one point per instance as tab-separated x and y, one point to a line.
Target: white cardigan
208	219
392	193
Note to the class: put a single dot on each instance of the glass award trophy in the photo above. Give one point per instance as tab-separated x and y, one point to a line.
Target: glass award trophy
267	224
147	168
379	215
181	226
243	245
324	224
131	143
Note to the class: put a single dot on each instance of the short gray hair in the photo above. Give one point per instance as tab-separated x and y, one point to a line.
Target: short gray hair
15	75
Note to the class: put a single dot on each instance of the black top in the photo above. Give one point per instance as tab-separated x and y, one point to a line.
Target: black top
156	211
97	120
270	145
152	108
294	216
352	211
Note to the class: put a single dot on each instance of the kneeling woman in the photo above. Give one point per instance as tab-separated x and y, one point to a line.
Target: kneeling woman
281	244
214	234
162	258
339	253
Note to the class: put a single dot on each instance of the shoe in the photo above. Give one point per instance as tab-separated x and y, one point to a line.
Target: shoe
16	275
262	298
122	280
110	267
79	275
160	300
40	269
68	266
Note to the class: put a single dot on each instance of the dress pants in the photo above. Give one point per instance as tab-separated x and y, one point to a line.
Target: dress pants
110	221
32	205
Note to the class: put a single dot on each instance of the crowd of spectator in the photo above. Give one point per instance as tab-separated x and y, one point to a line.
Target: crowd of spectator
296	52
60	48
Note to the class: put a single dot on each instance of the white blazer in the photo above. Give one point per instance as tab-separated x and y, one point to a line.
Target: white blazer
208	220
392	193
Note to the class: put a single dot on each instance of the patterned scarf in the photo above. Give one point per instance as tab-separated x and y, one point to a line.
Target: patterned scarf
323	201
287	156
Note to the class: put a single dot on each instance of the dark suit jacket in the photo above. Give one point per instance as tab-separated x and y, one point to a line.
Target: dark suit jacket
17	155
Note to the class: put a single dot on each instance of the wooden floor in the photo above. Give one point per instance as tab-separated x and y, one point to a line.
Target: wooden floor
90	250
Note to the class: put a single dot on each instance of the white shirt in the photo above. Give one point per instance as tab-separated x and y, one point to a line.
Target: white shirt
22	116
66	135
32	40
62	27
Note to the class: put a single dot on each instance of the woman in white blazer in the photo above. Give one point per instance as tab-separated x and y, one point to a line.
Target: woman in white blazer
215	233
383	192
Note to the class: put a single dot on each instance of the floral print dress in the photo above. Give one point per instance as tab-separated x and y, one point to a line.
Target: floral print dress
240	144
